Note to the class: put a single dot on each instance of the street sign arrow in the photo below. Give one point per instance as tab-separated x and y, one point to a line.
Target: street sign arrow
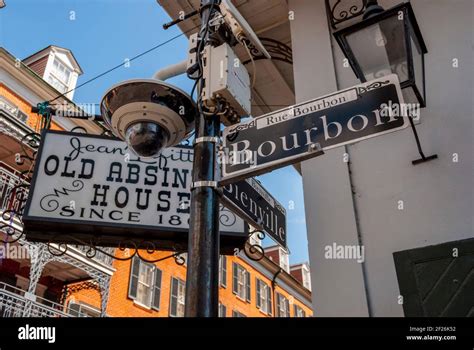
305	130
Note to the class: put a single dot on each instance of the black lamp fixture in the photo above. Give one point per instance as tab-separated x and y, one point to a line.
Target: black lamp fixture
388	42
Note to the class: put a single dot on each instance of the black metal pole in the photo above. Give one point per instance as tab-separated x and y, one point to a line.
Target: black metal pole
202	279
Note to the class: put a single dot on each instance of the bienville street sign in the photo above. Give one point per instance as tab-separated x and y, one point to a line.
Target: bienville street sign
250	200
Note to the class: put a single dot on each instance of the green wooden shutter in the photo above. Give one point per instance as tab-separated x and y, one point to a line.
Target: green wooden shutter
157	290
222	310
223	271
287	307
247	279
235	278
257	287
269	301
278	305
174	297
133	282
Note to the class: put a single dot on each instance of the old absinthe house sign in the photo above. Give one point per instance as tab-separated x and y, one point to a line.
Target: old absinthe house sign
94	189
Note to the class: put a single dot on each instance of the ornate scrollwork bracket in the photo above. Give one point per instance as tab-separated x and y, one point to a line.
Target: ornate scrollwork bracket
252	250
340	11
129	248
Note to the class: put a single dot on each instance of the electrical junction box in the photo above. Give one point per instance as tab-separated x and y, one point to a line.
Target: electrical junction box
226	78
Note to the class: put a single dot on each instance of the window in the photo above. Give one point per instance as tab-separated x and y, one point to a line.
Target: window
57	84
9	107
283	306
60	76
62	72
222	310
82	310
223	271
306	278
237	314
264	296
298	311
284	260
241	282
178	292
22	116
145	284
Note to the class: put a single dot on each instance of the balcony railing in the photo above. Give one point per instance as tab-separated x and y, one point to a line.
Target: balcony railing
15	302
11	198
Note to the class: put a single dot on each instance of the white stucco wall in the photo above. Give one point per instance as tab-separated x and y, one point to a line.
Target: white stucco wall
437	196
325	179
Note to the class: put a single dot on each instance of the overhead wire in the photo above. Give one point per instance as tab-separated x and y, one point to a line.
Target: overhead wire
122	64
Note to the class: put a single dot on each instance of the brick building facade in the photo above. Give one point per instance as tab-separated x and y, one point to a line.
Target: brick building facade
157	290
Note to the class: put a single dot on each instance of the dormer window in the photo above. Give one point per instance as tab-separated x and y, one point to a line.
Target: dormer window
306	277
58	67
279	256
284	260
60	76
61	71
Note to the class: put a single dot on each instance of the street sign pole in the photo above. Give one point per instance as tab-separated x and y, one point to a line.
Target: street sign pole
202	278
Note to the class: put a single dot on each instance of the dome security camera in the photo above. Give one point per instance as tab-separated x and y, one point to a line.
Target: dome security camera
149	115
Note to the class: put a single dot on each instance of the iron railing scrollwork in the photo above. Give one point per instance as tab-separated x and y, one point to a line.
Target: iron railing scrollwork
15	302
340	11
69	289
129	248
373	86
16	188
278	50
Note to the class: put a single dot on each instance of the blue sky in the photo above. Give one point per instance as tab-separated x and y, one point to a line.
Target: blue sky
103	34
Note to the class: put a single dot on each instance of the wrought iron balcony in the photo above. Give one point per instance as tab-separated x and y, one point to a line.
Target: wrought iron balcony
12	197
15	302
9	195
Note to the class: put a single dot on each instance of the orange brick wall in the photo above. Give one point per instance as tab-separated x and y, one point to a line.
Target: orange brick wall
119	305
25	107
